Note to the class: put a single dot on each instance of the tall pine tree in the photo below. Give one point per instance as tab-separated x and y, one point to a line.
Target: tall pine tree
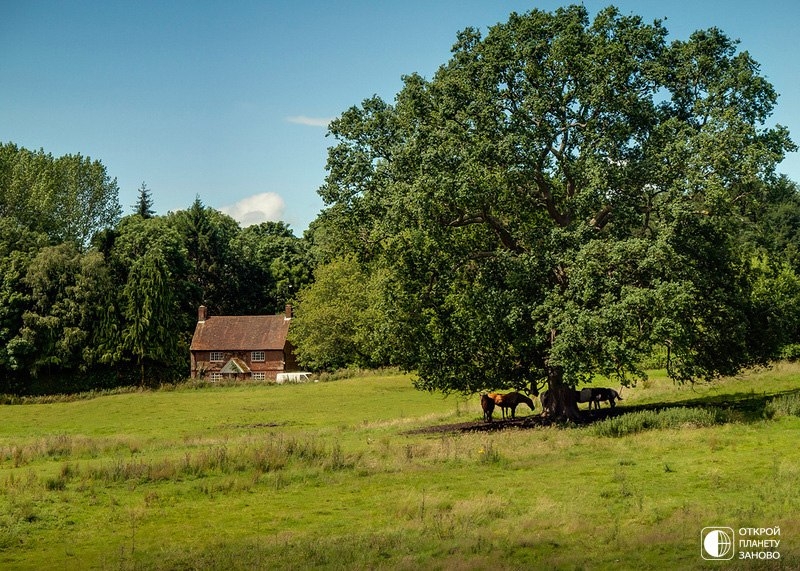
144	205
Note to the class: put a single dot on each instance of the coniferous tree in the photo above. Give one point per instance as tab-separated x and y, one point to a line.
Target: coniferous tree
144	205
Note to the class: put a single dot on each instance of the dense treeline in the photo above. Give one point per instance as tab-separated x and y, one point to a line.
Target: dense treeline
91	299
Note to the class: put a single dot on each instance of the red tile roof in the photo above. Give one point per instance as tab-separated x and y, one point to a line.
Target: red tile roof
242	333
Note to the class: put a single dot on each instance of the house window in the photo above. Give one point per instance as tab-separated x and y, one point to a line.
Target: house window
259	376
216	377
258	357
216	357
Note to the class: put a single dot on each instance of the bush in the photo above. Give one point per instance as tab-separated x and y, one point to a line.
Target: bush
786	405
791	352
634	422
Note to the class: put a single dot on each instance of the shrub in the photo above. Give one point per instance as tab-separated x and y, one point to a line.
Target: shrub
634	422
786	405
791	352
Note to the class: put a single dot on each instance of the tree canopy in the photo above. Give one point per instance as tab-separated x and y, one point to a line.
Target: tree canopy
68	198
562	197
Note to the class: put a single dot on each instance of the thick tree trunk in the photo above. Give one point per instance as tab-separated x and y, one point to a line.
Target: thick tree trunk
559	401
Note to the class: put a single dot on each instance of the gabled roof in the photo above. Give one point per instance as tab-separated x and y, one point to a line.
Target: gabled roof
241	333
235	366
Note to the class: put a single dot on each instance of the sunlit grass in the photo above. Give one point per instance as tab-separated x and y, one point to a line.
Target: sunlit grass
333	475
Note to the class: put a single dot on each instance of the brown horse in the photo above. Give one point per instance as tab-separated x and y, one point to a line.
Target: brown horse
510	400
487	404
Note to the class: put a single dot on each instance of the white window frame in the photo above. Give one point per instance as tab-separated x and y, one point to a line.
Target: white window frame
258	356
259	376
216	356
214	377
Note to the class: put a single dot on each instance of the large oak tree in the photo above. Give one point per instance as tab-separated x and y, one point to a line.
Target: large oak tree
560	199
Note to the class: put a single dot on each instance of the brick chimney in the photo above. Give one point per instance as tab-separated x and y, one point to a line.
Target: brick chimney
202	313
288	311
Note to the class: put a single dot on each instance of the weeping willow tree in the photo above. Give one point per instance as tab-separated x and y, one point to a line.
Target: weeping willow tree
149	312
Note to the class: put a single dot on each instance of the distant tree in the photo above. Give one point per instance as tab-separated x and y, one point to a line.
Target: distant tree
776	294
69	198
18	248
149	318
207	235
144	204
150	312
774	229
89	198
271	264
337	318
562	197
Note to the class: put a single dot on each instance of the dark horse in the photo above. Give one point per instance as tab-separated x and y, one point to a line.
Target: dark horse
601	394
487	404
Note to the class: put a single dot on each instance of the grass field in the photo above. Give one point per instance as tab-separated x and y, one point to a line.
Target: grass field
337	475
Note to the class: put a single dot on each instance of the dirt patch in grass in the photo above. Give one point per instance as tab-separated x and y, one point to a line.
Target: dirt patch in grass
525	422
258	425
534	421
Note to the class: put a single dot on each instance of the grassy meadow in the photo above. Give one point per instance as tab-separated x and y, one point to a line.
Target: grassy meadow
338	475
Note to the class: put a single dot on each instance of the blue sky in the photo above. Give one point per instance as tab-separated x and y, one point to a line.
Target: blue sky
228	101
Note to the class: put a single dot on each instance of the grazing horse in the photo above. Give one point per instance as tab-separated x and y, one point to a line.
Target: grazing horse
601	394
510	400
487	404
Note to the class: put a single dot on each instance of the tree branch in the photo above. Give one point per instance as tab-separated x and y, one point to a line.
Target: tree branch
562	219
601	218
506	238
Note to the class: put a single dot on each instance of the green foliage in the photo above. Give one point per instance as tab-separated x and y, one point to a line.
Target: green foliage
791	352
52	288
235	271
64	286
206	234
271	265
773	230
776	296
147	319
150	312
67	198
337	321
18	248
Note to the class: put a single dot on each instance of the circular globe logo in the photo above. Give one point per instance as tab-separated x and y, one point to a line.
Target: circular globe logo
717	543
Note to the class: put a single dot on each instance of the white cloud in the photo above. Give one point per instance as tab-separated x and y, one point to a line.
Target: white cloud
264	207
310	121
